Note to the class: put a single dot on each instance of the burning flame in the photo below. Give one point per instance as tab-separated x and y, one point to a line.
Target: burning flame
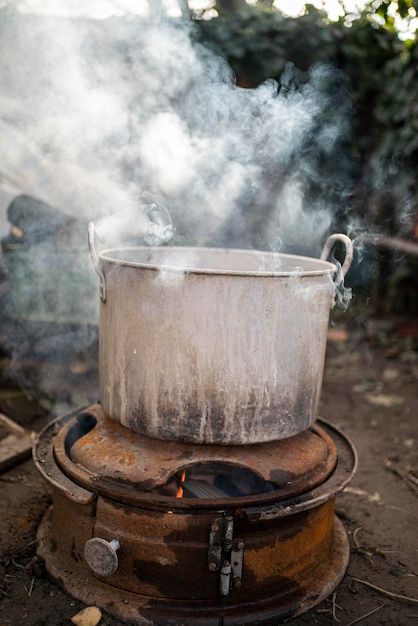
180	490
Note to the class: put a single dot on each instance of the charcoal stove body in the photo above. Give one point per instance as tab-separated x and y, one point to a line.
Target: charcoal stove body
211	503
119	536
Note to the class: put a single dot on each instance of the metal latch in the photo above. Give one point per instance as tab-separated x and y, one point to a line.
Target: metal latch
225	554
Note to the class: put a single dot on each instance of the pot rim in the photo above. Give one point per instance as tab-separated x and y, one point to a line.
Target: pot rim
321	267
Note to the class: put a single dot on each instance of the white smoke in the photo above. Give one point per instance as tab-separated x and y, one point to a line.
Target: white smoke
116	107
127	121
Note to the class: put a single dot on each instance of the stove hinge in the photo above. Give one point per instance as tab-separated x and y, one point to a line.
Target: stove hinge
225	554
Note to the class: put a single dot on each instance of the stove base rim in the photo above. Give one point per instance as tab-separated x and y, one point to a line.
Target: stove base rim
136	610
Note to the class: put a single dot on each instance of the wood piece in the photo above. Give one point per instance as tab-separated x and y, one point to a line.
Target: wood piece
16	446
11	425
408	480
393	243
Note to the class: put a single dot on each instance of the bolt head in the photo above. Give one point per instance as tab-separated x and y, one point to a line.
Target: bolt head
100	555
213	567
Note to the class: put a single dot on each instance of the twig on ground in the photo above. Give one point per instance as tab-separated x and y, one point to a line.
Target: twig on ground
408	480
30	589
366	552
334	607
409	471
356	543
360	619
385	592
355	492
18	564
32	542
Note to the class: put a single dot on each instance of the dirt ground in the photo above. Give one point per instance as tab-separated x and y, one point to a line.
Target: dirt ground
370	392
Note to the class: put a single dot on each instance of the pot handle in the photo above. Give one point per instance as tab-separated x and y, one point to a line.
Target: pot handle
96	261
328	246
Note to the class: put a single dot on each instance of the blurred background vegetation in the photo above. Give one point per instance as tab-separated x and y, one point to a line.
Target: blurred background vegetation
370	178
375	46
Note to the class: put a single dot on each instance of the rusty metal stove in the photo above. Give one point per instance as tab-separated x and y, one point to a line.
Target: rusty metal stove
118	535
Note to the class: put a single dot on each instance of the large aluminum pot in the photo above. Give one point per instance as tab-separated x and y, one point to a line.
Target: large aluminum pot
210	345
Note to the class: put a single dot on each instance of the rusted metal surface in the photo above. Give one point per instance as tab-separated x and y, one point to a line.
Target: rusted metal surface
44	460
269	567
125	465
132	608
213	346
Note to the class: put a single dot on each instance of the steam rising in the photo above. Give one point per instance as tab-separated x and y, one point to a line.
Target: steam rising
130	122
113	108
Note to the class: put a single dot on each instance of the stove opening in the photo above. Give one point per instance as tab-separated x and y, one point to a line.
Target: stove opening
215	480
84	423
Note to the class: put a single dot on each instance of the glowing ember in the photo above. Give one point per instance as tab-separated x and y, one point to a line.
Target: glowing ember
180	490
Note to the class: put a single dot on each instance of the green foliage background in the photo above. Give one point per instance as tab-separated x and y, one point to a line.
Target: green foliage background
259	41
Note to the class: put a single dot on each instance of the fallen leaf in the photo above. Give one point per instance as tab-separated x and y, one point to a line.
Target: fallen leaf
375	498
390	374
384	400
338	334
90	616
79	366
364	387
